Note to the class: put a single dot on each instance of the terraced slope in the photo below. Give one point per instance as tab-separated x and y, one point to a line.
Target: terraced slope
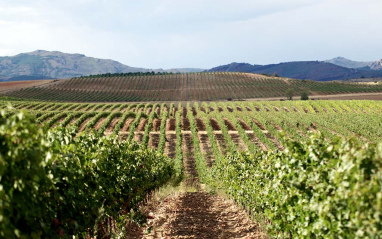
182	87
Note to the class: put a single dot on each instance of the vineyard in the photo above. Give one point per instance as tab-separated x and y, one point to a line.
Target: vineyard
220	127
182	87
237	145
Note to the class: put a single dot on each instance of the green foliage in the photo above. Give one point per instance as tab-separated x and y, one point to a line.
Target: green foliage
304	96
53	184
289	94
311	190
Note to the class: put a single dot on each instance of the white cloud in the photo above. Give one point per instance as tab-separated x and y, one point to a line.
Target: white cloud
198	33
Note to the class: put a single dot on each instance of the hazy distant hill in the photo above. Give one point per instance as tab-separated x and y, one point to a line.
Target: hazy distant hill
367	65
46	64
53	64
341	61
376	65
313	70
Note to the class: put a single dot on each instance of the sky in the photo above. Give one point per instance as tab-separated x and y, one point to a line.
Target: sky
198	33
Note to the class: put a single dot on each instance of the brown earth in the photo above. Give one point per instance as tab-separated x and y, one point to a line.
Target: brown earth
17	85
200	215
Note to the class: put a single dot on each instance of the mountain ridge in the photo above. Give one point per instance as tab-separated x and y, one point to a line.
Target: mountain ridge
312	70
41	64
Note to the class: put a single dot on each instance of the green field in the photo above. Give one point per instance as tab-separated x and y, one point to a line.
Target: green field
310	168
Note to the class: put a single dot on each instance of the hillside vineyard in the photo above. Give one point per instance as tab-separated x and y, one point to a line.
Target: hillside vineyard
220	127
182	87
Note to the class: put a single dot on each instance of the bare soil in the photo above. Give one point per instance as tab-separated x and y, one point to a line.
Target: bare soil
171	125
154	140
99	123
142	125
156	124
201	215
206	148
157	110
17	85
170	146
229	125
244	125
110	128
186	124
214	124
258	124
191	175
138	136
221	143
194	113
83	125
200	125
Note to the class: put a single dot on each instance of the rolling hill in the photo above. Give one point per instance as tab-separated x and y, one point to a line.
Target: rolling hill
312	70
136	87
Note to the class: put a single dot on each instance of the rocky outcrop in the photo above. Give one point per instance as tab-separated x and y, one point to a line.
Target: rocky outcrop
377	65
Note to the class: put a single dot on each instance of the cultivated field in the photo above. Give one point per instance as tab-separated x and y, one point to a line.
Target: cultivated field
221	128
183	87
278	160
17	85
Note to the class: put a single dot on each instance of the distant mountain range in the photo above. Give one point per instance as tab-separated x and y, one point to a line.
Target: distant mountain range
335	69
341	61
57	65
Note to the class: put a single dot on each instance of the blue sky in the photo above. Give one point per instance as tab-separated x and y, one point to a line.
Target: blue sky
197	33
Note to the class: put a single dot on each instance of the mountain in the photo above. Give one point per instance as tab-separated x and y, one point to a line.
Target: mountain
313	70
54	64
367	65
341	61
376	65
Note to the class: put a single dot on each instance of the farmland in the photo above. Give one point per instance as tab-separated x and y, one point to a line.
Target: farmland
182	87
239	147
234	125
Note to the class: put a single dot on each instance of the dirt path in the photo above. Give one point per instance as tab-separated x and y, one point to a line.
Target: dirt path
200	215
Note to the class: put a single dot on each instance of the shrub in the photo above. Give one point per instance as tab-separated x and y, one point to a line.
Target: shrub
52	184
311	190
304	96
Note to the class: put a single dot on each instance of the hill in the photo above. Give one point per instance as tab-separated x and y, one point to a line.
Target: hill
370	65
135	87
312	70
57	65
341	61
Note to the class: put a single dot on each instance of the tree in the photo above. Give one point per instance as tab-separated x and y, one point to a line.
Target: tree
275	74
304	96
289	94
